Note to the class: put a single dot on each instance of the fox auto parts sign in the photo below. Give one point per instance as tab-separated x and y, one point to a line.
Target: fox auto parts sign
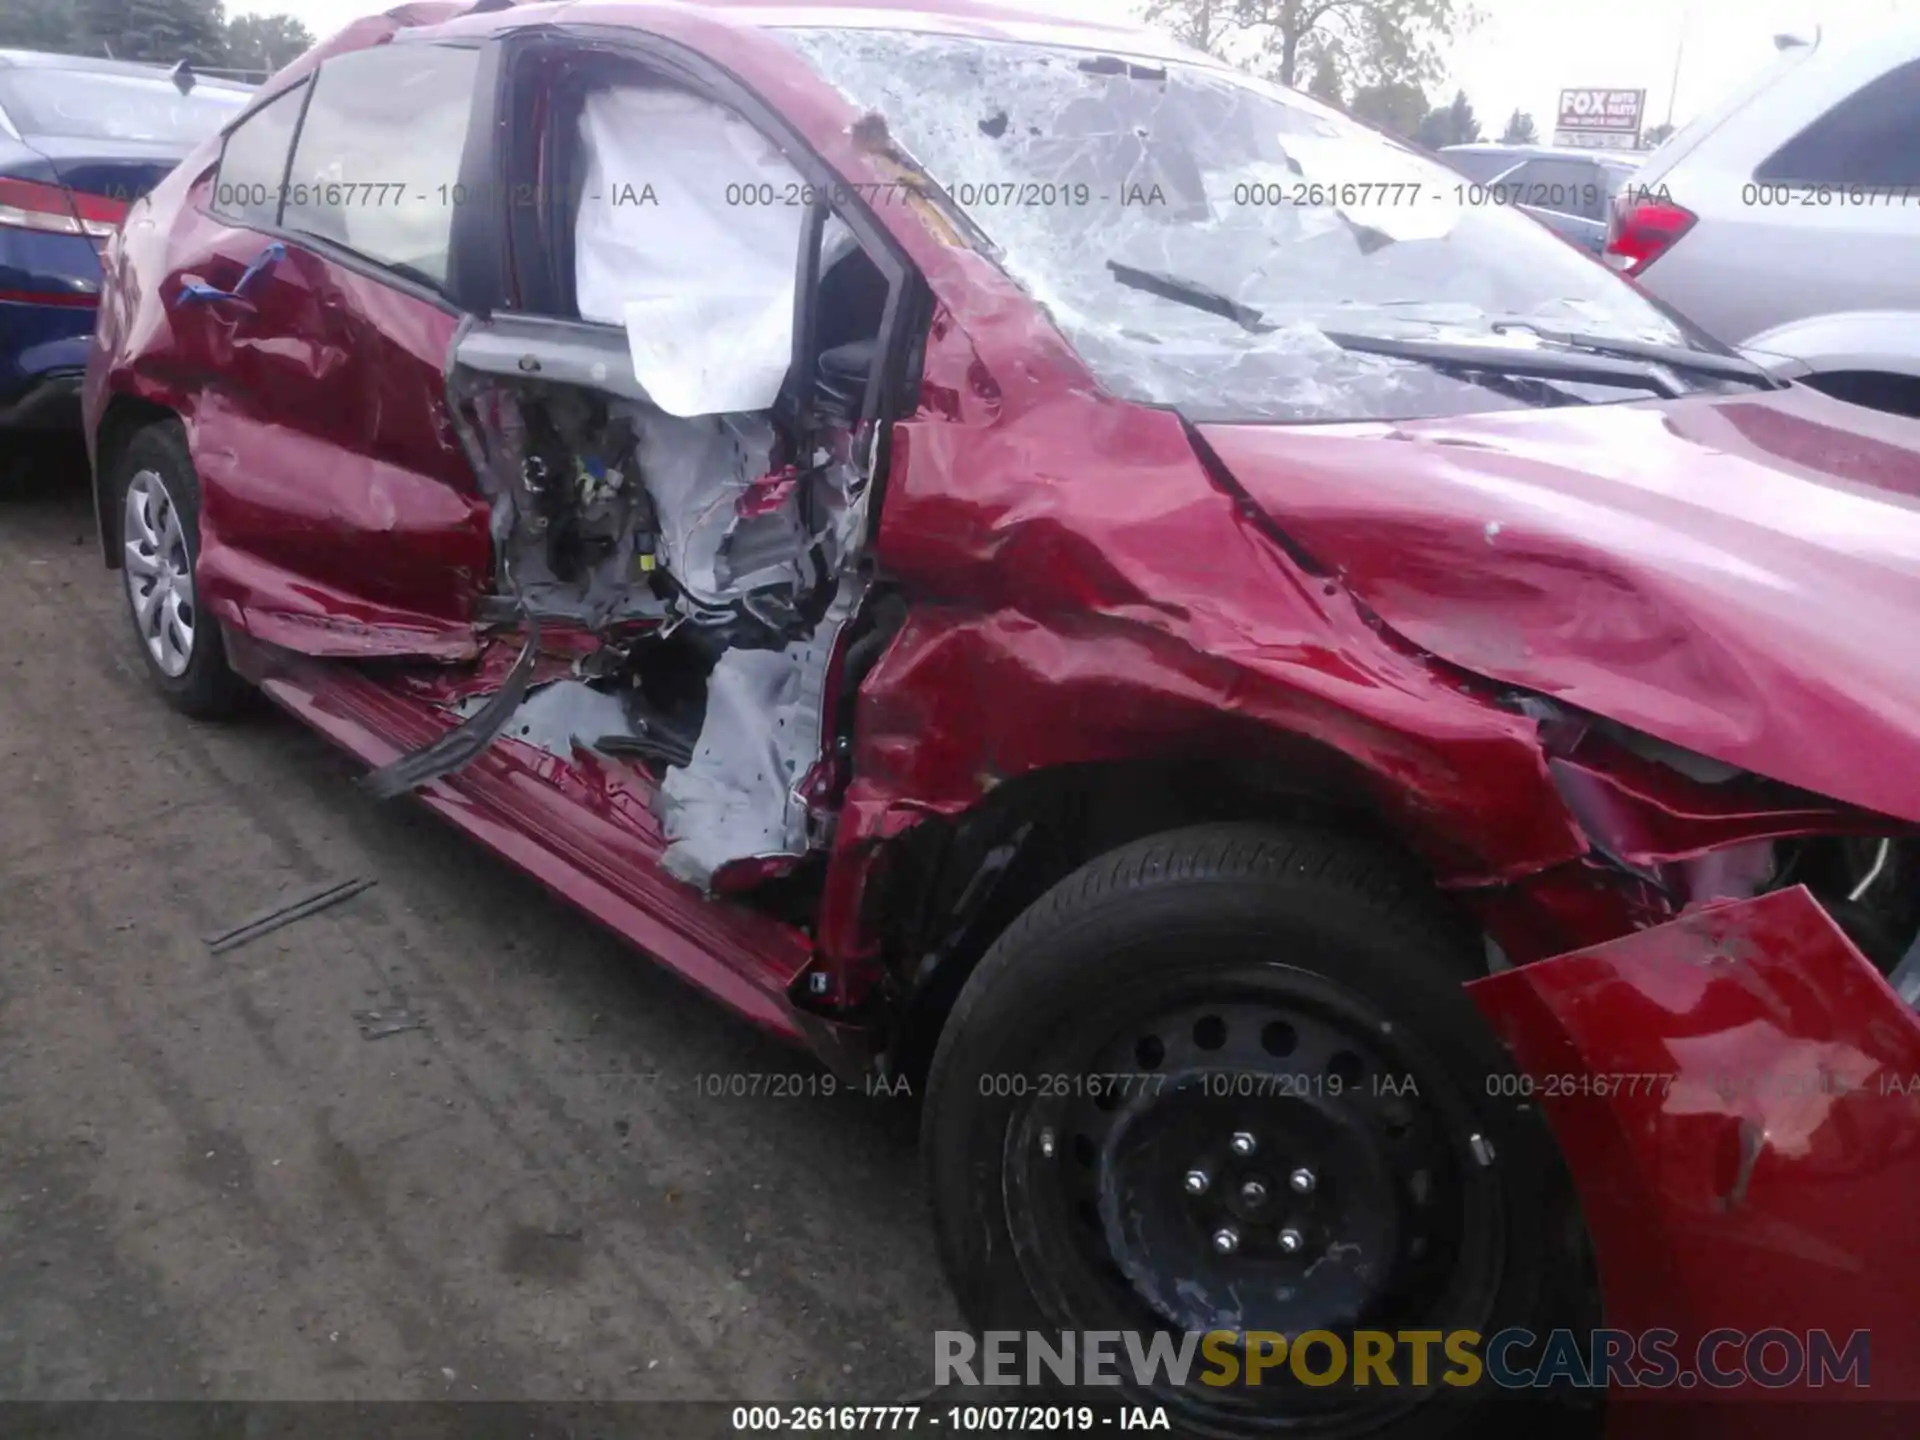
1600	119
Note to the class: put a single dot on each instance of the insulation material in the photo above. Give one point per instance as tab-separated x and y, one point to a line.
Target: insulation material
697	471
672	245
735	800
762	733
564	717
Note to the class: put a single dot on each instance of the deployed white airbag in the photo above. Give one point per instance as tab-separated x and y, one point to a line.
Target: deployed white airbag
688	235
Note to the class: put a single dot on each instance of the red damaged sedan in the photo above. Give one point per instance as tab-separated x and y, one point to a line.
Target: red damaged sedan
1368	773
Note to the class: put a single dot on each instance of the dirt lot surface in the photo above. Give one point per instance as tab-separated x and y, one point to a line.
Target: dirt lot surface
214	1184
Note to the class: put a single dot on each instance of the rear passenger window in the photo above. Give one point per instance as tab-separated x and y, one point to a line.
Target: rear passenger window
253	166
1567	187
1870	139
1478	166
377	166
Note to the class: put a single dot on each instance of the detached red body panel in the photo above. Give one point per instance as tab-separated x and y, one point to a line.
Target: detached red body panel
1737	1094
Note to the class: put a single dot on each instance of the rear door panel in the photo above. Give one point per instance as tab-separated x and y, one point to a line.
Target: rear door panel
337	502
339	515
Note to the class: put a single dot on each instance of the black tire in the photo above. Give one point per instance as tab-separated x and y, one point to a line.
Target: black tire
1203	912
208	689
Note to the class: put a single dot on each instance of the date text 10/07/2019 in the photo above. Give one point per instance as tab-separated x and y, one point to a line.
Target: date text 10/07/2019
958	1419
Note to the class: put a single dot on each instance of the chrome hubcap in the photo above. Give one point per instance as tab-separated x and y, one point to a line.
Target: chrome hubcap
159	573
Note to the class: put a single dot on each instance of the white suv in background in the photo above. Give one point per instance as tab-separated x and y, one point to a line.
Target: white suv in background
1787	222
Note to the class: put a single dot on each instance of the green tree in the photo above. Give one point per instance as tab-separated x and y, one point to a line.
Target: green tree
1367	41
265	42
1454	125
1203	24
1395	106
1325	84
1520	130
161	31
37	25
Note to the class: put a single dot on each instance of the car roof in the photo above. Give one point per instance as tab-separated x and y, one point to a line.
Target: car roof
96	65
1622	158
1033	23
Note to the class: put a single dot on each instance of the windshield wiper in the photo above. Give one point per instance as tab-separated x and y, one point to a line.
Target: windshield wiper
1579	367
1679	357
1190	293
1631	364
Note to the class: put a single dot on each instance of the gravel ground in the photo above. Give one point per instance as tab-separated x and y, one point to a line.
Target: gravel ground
214	1185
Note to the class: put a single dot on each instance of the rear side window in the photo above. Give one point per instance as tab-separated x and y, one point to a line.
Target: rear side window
253	166
1567	187
377	166
1478	165
1871	139
96	105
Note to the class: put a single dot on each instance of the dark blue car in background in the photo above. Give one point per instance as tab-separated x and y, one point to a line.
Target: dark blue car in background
80	141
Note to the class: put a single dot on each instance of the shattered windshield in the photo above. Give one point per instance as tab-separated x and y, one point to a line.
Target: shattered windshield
1197	234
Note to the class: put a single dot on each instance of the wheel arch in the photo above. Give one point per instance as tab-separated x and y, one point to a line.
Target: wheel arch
982	868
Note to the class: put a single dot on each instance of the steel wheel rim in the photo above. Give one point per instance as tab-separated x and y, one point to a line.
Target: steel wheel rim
159	574
1046	1139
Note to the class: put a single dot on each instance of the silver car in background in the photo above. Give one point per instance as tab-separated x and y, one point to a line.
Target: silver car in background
1787	221
1569	191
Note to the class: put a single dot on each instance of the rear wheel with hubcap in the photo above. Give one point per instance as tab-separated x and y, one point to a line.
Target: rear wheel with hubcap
1226	1079
158	496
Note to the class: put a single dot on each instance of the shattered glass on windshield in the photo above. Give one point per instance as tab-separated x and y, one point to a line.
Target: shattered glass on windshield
1196	233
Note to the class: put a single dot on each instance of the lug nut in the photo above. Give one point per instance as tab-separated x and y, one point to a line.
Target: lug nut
1047	1144
1226	1240
1196	1182
1302	1181
1243	1143
1253	1192
1290	1241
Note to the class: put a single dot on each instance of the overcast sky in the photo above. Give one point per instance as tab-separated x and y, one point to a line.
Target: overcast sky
1524	51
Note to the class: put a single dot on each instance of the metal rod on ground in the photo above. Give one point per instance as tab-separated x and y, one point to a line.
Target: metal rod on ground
286	914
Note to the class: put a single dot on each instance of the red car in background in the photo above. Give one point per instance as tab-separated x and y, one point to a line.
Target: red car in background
1051	571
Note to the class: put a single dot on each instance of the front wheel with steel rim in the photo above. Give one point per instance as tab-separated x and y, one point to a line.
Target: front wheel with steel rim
158	514
1226	1079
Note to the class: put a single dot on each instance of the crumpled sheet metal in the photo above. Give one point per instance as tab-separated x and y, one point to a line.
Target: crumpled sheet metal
1644	814
1737	575
1737	1095
1120	605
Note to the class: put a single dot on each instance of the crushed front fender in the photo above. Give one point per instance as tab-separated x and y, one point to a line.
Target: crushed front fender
1736	1094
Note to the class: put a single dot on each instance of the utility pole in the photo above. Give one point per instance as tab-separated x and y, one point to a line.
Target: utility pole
1679	54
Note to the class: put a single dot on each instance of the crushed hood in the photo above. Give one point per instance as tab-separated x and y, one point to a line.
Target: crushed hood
1738	575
